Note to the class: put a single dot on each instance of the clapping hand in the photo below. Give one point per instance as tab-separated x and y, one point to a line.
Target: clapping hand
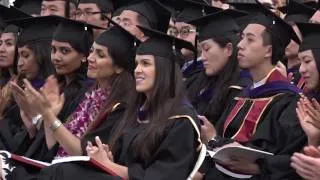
307	113
47	99
306	166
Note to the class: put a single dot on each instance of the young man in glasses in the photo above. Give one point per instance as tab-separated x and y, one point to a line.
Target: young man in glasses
95	12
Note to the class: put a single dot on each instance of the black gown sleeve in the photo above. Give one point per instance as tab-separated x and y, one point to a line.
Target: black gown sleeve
175	157
104	131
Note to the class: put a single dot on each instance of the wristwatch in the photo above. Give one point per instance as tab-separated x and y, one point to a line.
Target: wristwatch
214	141
55	125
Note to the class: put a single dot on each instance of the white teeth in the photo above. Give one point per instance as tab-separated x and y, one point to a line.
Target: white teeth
139	79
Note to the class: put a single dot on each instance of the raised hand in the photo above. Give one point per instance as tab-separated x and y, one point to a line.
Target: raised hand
48	98
21	99
306	166
313	110
307	123
51	90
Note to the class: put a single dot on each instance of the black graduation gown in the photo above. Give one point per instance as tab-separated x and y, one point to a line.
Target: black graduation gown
104	131
11	129
202	102
173	159
190	73
273	126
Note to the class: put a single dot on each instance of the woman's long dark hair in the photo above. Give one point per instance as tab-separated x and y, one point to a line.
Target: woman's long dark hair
160	106
5	72
42	52
219	83
316	55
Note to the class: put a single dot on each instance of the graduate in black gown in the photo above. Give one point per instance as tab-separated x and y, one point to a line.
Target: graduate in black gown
69	53
263	116
183	12
295	13
158	137
306	164
9	61
34	64
212	90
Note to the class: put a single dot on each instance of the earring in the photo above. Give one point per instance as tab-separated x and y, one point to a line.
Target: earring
84	60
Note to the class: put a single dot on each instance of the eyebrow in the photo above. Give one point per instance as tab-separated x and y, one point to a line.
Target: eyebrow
52	6
248	34
98	50
126	19
7	40
87	9
202	44
145	59
306	56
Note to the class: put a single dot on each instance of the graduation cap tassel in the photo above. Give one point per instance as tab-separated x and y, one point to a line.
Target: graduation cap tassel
172	73
196	51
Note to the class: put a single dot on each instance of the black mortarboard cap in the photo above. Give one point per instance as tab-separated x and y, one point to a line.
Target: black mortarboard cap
121	43
9	13
275	25
156	13
187	10
217	24
310	36
105	6
34	29
78	34
29	6
119	5
163	45
297	12
250	7
310	40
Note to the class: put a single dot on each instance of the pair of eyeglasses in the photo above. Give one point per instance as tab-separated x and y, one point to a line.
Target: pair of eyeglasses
184	31
86	13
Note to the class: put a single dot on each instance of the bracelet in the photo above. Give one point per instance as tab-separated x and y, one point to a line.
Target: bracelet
55	125
36	119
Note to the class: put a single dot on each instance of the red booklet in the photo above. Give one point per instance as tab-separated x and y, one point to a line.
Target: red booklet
75	159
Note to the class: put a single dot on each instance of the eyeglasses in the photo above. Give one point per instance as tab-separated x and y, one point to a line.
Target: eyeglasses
86	13
184	31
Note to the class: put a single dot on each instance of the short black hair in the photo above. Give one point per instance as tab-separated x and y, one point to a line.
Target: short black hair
278	49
